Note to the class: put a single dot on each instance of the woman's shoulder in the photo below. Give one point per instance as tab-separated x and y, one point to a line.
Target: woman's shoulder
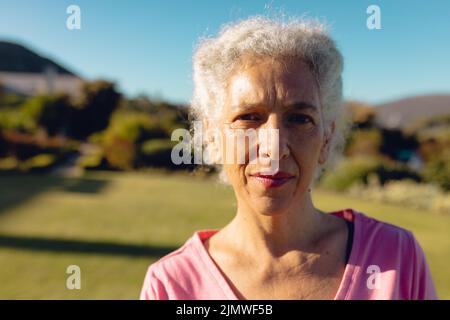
394	253
375	230
382	243
187	253
177	270
189	257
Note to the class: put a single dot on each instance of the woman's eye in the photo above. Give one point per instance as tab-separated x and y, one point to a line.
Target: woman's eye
249	117
300	118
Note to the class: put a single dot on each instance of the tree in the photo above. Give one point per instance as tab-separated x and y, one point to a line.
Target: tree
2	93
93	110
49	112
362	114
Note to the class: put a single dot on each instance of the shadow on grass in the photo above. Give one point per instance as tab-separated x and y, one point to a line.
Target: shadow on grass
16	188
81	246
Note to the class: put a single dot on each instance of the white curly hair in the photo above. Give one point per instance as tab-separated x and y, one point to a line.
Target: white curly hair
216	58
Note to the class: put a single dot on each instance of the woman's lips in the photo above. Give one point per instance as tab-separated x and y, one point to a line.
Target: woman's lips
272	181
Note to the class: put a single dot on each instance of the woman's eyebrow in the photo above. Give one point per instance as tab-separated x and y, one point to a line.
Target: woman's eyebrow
302	105
245	106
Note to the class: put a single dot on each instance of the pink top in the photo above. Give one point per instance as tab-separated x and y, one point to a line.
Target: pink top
386	262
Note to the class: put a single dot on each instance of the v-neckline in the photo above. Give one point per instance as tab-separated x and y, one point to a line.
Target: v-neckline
344	286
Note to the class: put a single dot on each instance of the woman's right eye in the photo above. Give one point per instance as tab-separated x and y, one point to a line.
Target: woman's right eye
249	117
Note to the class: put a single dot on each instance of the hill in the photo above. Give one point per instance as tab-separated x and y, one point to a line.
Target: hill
17	58
402	113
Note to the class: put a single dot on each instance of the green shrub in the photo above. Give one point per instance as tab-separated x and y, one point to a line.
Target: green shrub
11	100
3	144
49	112
92	159
438	171
390	171
405	192
361	114
15	119
364	142
38	163
398	145
120	153
157	152
123	138
357	170
135	126
92	113
349	172
8	163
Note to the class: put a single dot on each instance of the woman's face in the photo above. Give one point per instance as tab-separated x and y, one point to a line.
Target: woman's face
274	94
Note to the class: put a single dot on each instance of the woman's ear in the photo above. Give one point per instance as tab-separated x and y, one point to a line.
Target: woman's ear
325	150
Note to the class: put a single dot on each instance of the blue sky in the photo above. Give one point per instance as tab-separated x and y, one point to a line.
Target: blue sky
146	45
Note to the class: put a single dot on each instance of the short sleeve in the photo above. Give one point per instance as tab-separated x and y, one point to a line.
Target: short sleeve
153	288
422	287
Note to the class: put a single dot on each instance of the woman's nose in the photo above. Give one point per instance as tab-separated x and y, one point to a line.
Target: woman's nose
274	143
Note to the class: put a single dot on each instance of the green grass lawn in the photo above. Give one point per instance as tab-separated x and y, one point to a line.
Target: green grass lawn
113	225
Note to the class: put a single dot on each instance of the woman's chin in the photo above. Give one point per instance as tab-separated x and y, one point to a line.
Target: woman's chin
272	211
270	206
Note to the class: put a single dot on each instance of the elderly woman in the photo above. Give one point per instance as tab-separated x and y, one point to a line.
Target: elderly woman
261	74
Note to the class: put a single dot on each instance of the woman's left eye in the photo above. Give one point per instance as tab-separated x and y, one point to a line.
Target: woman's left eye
300	118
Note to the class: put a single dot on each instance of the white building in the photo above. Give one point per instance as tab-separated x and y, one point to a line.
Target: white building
31	84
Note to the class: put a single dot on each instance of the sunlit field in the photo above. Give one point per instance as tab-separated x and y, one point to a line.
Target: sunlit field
113	225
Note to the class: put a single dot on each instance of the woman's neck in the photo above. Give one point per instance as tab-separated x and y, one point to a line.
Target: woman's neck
299	227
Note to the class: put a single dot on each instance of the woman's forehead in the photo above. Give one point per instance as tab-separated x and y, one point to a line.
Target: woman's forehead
272	81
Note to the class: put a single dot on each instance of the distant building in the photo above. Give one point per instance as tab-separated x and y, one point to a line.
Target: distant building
31	84
27	73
